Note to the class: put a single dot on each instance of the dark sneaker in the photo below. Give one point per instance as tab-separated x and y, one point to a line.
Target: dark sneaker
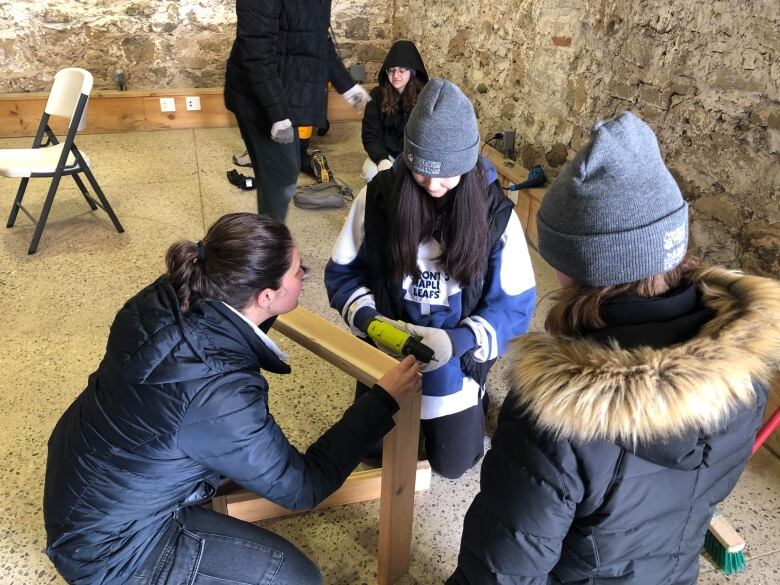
240	181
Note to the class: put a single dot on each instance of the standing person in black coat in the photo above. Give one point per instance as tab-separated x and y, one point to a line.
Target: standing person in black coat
179	402
276	80
634	415
401	79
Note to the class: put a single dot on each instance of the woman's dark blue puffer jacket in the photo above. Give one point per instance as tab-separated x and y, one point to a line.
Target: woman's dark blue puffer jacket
177	403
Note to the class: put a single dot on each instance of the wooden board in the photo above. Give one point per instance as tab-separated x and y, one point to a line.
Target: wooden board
773	442
138	110
335	345
360	486
396	505
399	457
528	200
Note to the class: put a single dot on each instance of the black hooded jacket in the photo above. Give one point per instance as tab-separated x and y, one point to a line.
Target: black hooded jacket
281	62
613	449
383	133
177	402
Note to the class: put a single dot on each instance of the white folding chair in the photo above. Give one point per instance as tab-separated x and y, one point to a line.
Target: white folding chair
53	159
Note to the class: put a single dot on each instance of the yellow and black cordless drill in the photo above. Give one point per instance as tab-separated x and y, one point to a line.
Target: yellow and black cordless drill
398	341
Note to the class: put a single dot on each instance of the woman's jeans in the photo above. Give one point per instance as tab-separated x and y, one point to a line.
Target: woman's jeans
201	547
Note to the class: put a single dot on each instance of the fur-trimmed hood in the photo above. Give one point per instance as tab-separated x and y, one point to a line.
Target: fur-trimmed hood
578	389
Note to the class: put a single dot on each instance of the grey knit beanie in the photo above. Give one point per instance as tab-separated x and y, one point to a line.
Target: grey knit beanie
441	138
615	214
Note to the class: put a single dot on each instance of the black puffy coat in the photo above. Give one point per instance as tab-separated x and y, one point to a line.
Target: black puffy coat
281	62
383	132
177	402
613	449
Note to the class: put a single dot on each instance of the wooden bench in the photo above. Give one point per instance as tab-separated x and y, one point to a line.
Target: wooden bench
528	200
394	484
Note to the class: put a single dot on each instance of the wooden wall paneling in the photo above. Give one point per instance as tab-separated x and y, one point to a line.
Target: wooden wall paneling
139	110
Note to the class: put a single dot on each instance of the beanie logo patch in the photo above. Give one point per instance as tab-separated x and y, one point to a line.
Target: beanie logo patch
427	167
674	244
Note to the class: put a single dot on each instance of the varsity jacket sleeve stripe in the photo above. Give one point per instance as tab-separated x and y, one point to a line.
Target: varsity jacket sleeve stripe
508	297
346	274
257	28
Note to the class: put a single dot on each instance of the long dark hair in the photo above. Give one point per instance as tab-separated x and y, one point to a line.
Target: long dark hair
577	307
242	254
464	236
391	100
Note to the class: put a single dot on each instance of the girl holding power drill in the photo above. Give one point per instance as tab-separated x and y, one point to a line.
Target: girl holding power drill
433	242
179	402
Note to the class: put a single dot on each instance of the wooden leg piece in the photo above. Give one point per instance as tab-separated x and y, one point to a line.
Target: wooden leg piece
360	486
401	475
396	507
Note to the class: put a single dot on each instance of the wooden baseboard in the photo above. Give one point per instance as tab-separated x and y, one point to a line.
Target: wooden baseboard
773	403
138	110
360	486
528	200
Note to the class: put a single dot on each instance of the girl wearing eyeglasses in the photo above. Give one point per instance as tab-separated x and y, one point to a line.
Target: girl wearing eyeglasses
401	79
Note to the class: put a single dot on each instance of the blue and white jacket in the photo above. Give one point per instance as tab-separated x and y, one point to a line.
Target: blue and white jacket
479	327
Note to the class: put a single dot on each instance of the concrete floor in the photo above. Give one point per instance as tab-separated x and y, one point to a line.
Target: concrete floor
57	307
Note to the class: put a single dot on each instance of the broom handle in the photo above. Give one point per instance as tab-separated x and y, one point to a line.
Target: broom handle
766	430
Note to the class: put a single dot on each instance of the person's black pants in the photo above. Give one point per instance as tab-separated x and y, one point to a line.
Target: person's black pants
453	443
276	167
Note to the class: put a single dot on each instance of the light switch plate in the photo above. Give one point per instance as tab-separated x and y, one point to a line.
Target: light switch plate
167	104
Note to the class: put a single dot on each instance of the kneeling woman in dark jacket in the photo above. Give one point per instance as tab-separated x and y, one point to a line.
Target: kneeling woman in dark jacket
177	403
634	415
401	79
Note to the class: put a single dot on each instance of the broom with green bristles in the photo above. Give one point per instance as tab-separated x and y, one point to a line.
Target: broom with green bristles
723	543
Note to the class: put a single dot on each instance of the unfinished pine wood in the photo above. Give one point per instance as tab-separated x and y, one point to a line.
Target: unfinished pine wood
773	442
512	170
335	345
396	505
528	200
138	110
360	486
399	459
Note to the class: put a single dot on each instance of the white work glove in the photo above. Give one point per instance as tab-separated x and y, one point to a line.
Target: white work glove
282	132
357	97
384	164
438	340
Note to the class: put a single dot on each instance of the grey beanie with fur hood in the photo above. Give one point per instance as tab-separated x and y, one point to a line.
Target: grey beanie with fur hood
615	214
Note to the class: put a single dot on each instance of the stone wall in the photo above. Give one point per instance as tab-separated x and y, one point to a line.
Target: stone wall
705	75
158	43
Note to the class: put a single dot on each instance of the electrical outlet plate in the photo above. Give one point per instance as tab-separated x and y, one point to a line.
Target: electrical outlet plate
168	104
508	144
193	102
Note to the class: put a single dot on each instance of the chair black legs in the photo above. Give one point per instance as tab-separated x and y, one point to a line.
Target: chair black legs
84	192
17	202
55	182
41	221
104	202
